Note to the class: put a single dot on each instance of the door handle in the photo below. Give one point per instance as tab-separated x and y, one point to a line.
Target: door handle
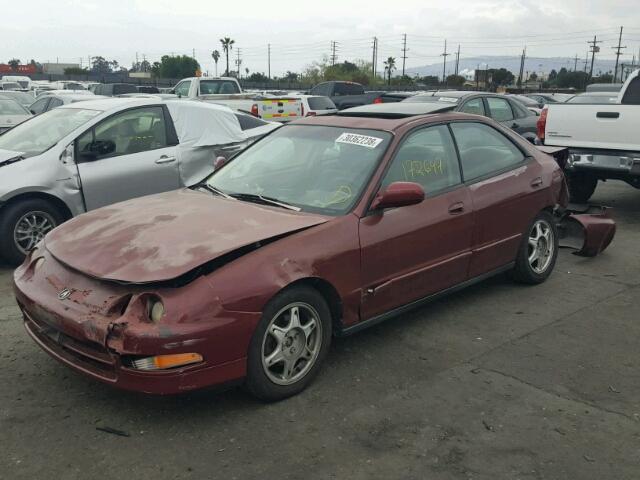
536	182
456	208
608	115
165	159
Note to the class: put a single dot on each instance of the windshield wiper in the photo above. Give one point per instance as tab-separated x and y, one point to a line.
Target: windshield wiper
211	189
252	197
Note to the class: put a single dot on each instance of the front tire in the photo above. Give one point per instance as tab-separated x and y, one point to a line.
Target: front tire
538	251
289	345
23	224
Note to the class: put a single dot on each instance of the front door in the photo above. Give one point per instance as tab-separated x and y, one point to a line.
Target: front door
412	252
507	192
126	156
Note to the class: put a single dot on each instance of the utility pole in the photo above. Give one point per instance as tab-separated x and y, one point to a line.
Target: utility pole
193	51
404	52
575	64
618	53
334	56
594	49
238	62
269	61
444	63
522	58
374	60
458	60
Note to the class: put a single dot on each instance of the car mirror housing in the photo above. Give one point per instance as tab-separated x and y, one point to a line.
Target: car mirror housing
398	194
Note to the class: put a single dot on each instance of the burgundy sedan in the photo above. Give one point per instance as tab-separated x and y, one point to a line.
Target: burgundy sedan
326	226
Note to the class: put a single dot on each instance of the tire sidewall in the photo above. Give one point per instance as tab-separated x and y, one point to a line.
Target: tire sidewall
10	214
257	381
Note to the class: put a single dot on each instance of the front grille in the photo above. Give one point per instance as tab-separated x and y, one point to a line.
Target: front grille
88	356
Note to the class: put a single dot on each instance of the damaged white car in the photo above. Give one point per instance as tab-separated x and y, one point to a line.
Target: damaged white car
83	156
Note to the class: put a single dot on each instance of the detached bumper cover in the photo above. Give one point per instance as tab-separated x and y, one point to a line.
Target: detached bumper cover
587	229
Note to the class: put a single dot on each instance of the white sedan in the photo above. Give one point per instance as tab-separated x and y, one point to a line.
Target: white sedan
11	114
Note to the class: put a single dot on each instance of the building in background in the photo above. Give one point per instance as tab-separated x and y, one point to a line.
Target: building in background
57	68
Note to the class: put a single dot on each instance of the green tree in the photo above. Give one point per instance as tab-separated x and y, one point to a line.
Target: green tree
13	63
501	77
76	71
455	81
429	80
100	65
175	67
216	56
227	45
257	78
389	67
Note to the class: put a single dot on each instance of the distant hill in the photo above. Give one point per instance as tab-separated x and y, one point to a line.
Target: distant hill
512	63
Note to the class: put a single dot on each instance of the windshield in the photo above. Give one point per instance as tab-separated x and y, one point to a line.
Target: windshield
40	133
214	87
594	99
10	86
11	107
22	98
316	168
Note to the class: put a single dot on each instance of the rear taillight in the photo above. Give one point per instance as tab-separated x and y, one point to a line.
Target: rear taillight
311	114
542	124
254	110
302	110
378	100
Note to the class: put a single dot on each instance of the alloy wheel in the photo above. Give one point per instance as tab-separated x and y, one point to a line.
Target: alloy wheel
541	246
31	228
291	343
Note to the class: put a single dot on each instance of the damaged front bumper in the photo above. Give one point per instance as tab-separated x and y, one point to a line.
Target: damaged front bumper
587	229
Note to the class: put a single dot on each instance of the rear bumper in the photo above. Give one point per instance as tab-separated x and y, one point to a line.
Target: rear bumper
587	229
106	366
626	163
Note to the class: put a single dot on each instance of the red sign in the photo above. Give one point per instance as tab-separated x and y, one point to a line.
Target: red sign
20	70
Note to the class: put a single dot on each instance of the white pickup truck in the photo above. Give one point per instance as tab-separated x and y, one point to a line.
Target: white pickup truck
227	91
603	140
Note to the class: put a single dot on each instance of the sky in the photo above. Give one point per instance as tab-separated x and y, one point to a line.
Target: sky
300	32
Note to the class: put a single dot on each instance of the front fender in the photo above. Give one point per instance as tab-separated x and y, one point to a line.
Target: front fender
587	229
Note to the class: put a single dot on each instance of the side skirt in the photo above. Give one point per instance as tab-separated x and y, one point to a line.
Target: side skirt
420	302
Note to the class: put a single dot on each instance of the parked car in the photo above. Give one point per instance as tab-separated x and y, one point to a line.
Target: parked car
23	98
604	87
527	102
10	86
352	94
595	98
11	114
113	89
507	111
227	91
49	102
326	226
602	139
147	89
313	105
79	157
544	98
22	80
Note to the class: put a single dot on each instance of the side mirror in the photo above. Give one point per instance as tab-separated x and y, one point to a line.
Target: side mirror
219	162
398	194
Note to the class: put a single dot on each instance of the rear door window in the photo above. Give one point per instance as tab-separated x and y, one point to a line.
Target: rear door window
499	109
321	103
39	106
632	94
348	89
484	150
182	88
55	102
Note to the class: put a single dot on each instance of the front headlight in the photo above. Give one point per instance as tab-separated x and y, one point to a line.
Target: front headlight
156	310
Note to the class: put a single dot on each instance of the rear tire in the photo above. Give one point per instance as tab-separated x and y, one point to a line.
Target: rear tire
538	251
23	224
289	344
581	187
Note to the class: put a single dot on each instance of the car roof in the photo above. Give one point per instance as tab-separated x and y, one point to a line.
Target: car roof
113	103
395	109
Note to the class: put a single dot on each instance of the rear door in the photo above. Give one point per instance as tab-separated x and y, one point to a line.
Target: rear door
500	110
506	189
411	252
143	160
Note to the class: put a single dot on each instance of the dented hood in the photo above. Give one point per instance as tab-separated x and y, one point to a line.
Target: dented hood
163	236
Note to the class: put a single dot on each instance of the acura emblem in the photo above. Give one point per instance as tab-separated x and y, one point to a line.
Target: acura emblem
64	294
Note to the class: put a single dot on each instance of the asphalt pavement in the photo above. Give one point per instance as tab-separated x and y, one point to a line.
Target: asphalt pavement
499	381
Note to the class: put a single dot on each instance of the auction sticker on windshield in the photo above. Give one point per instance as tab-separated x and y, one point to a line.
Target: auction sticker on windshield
361	140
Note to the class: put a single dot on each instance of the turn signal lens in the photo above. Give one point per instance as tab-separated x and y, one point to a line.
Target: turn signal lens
164	362
156	311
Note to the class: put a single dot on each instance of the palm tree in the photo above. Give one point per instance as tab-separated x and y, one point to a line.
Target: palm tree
227	44
389	67
216	56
